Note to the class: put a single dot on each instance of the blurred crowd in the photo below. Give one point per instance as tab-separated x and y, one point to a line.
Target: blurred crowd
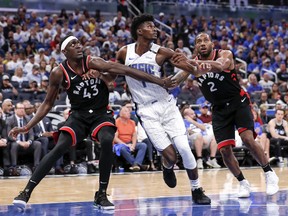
29	49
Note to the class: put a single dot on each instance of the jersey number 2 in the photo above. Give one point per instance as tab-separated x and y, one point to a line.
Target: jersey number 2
212	86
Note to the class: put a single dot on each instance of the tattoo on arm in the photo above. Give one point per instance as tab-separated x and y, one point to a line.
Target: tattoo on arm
181	76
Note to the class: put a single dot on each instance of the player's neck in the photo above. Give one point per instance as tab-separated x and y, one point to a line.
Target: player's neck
142	46
211	56
75	65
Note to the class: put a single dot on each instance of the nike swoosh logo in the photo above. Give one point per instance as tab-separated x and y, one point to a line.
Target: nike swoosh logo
33	181
131	58
243	99
72	78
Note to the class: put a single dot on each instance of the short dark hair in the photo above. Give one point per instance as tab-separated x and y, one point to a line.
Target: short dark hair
137	21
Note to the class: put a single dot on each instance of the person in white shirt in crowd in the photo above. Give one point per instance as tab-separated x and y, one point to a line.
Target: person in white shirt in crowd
123	32
35	75
200	136
180	45
28	66
266	82
119	19
114	96
57	54
41	56
13	63
18	76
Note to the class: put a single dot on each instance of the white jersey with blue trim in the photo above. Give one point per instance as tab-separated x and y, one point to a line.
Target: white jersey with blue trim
144	92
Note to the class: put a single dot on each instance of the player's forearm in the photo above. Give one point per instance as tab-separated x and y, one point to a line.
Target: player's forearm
116	68
181	76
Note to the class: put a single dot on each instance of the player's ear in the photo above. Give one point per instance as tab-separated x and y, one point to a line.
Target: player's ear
139	31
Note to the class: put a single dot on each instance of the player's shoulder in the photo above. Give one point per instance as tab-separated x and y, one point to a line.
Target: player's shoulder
222	52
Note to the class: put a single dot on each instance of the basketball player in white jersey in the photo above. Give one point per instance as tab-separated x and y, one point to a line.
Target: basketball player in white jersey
155	107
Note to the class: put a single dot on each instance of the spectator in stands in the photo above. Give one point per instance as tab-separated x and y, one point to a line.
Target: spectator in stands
205	114
263	99
201	137
7	89
266	82
190	92
278	134
254	67
3	137
126	142
29	108
29	65
266	66
18	77
7	108
282	74
114	96
126	95
35	75
23	142
13	63
118	20
254	88
261	134
182	48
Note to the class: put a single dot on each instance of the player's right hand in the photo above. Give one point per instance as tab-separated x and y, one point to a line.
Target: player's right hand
169	82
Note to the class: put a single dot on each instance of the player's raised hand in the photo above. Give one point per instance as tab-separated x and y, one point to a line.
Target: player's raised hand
204	67
169	82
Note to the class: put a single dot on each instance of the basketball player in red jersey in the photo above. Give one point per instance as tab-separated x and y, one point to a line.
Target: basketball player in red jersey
231	109
89	101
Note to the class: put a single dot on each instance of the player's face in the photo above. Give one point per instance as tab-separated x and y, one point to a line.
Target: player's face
203	45
75	49
148	30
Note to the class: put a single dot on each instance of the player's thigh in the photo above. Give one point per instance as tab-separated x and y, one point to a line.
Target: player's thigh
223	127
173	122
244	117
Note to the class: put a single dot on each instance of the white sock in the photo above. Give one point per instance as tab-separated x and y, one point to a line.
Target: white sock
194	184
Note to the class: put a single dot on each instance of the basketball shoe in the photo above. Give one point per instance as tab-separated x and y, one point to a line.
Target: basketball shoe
199	197
21	200
101	201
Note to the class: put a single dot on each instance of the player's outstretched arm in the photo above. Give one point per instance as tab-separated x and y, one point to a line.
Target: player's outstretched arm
222	63
55	80
119	69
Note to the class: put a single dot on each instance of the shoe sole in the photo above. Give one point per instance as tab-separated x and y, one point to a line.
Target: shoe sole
19	204
274	192
244	196
105	208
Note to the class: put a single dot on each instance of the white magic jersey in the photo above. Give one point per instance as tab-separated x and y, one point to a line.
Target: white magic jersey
144	92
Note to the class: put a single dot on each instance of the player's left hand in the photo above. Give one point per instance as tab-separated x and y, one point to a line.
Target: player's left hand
204	68
169	82
178	56
91	74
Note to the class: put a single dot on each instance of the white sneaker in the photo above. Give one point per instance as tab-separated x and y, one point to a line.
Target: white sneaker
271	183
244	189
213	163
200	164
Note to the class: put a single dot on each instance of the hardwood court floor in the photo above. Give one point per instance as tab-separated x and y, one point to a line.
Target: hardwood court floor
141	187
